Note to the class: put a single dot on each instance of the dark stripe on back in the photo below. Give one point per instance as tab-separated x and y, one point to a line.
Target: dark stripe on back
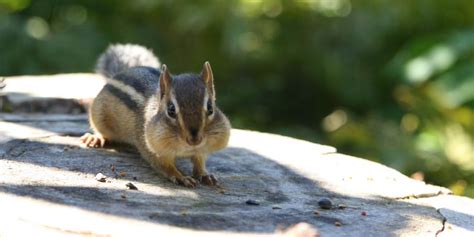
144	80
122	96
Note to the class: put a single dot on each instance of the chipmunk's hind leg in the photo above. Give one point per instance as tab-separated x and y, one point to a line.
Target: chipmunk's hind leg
99	121
93	140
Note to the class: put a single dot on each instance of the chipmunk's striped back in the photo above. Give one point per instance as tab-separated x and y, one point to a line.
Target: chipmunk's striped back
132	73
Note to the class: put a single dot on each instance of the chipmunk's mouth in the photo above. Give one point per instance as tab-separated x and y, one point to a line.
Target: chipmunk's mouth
195	144
194	141
190	150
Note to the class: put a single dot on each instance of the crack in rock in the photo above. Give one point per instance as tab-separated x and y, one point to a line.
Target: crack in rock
422	195
443	222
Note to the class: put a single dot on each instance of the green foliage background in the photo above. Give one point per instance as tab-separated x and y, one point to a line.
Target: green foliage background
392	81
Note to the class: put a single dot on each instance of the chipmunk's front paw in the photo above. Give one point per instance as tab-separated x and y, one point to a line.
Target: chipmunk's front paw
92	140
208	179
186	181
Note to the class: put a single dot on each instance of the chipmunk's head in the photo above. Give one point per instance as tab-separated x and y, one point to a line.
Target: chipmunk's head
188	100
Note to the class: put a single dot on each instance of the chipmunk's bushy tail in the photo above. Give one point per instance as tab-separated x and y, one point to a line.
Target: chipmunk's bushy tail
119	57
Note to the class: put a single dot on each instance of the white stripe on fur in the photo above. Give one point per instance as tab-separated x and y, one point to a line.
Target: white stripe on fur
134	95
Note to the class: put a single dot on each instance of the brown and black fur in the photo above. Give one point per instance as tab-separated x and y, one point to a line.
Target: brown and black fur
132	108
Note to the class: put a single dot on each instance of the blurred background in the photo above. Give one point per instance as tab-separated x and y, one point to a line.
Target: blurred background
390	81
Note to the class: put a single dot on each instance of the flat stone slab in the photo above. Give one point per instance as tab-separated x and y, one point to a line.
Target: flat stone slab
73	86
27	94
48	187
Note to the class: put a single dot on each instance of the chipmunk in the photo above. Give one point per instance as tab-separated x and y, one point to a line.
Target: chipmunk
164	116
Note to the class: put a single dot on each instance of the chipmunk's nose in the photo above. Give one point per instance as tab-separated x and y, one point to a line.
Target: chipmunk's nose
194	138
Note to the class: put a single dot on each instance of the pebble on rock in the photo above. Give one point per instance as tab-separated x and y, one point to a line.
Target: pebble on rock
131	186
342	206
325	203
100	177
252	202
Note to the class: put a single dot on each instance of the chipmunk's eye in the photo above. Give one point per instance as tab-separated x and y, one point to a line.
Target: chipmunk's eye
171	110
210	109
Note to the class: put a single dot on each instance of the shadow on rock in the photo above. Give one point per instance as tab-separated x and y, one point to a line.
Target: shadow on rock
283	196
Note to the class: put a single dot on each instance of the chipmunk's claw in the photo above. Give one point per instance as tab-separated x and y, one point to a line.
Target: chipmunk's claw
92	140
186	181
208	179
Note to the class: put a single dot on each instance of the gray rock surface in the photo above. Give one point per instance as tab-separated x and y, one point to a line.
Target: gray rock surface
72	86
48	187
48	183
61	93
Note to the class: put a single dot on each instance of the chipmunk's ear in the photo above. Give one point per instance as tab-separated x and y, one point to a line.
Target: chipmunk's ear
208	78
165	80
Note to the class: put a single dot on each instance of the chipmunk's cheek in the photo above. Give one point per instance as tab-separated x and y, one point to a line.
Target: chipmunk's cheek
205	140
220	141
151	141
182	141
204	143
